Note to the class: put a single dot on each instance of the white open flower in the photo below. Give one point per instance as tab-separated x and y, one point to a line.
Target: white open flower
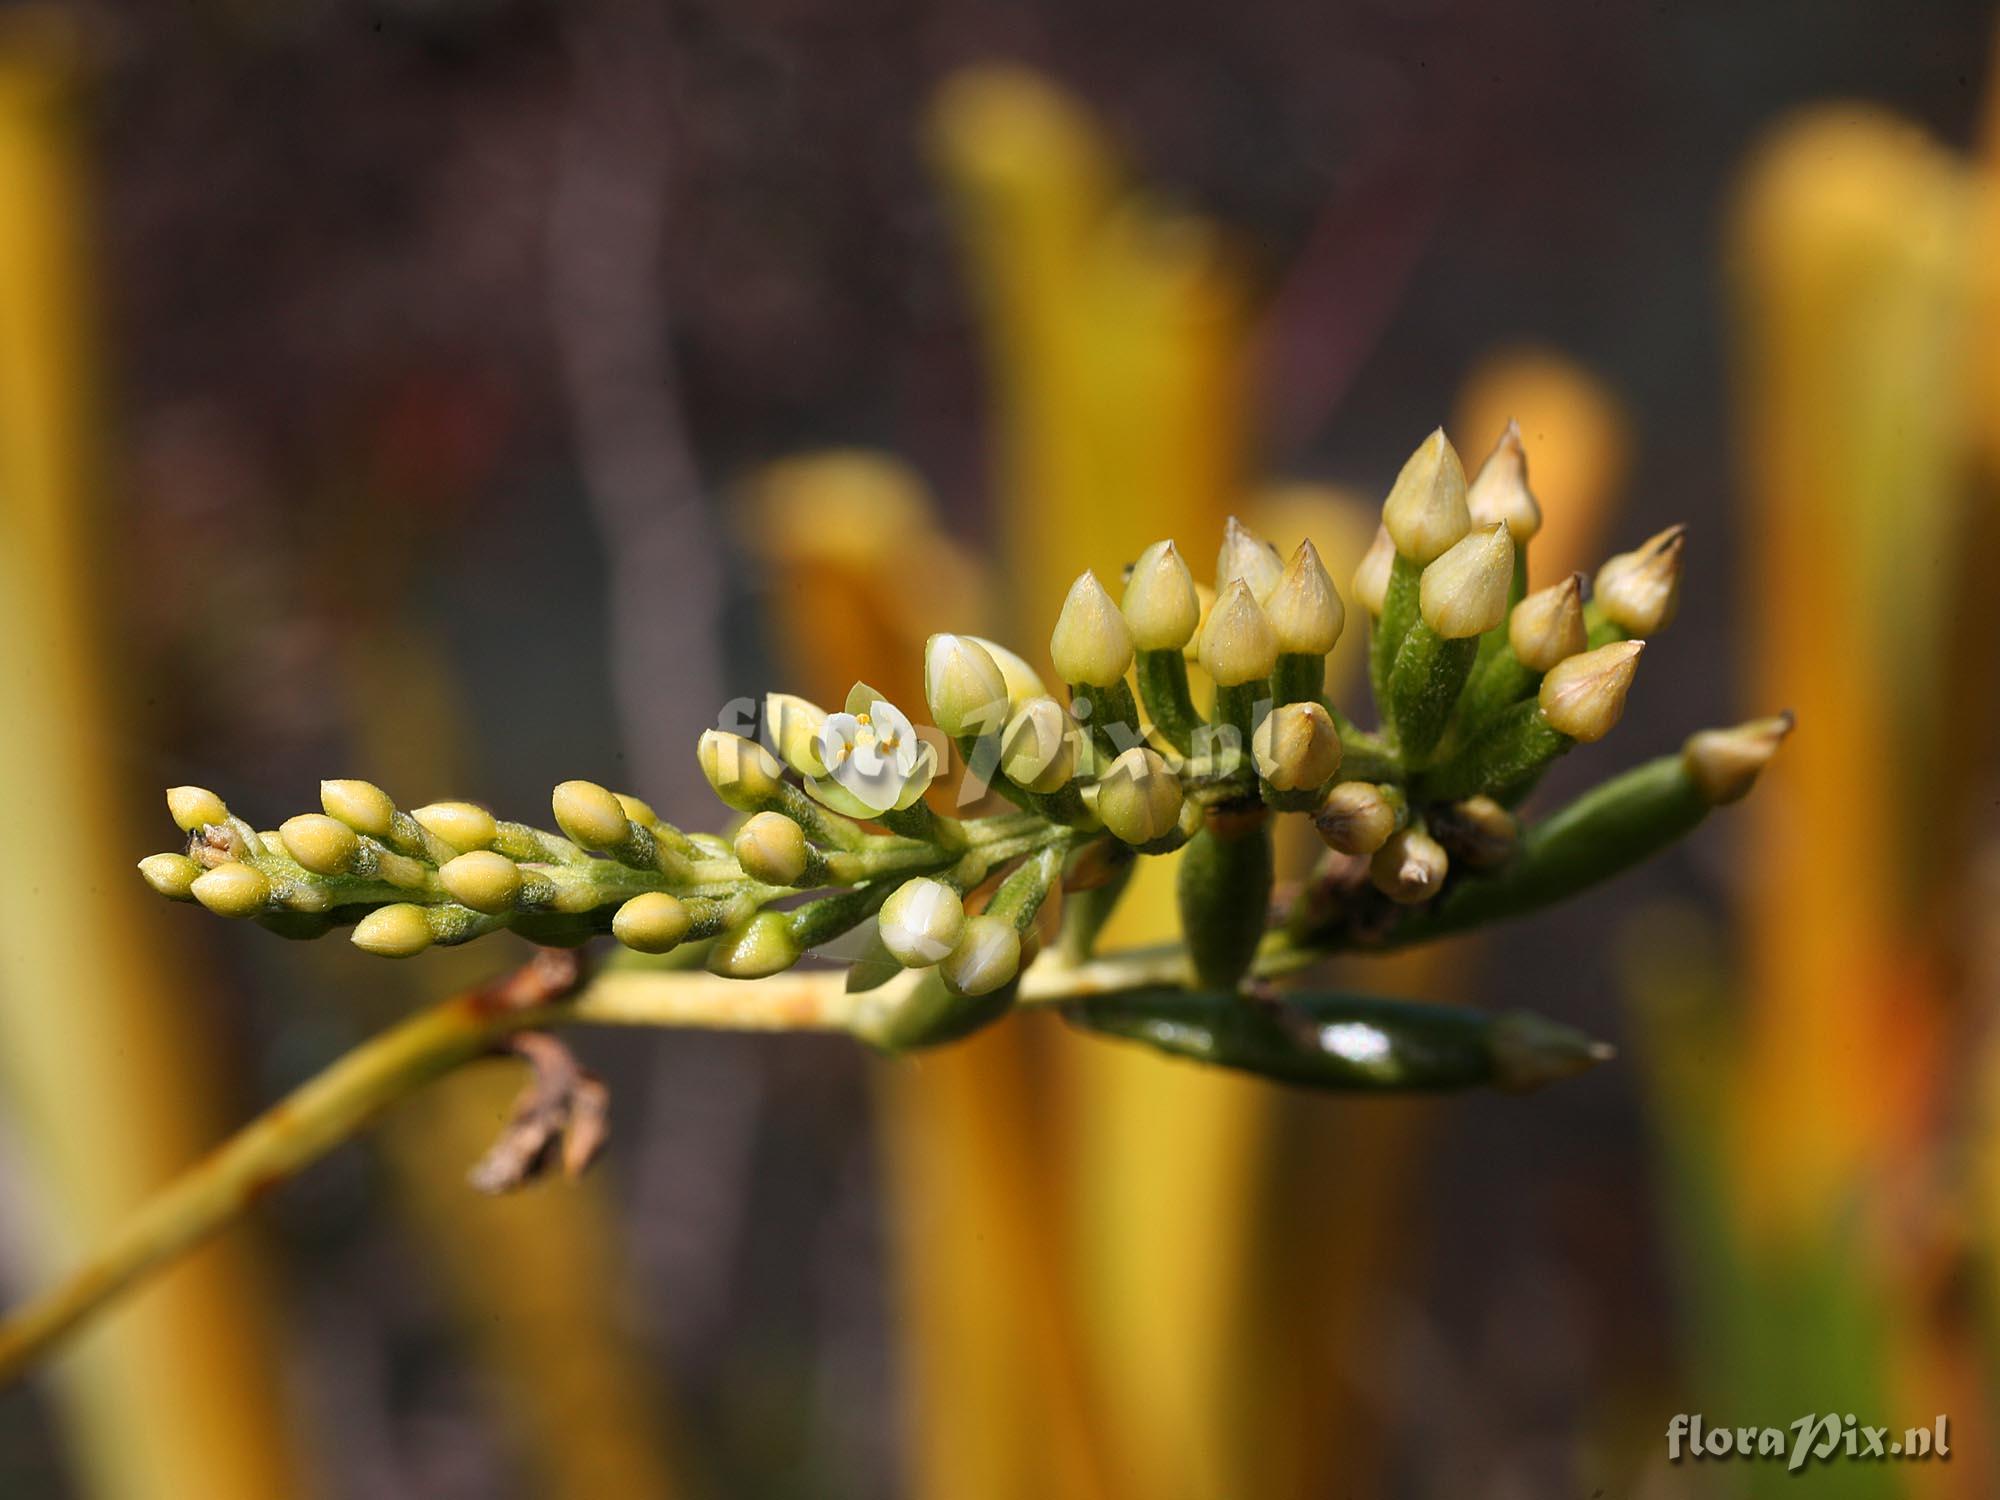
875	759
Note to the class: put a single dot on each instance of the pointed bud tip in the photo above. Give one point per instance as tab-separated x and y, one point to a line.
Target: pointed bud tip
1305	609
1584	695
1237	642
193	807
171	875
1161	605
1426	511
1639	591
231	890
1548	625
398	931
1725	763
1247	556
1464	592
964	686
1499	492
1091	645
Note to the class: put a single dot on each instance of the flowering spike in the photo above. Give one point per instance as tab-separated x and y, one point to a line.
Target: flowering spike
1161	606
1584	696
1426	510
1092	645
1464	592
1499	492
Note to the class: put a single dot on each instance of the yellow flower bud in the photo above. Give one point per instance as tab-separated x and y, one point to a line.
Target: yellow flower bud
1583	696
1036	751
922	922
1499	492
1161	606
1409	867
1479	832
988	955
194	806
1357	817
1247	556
590	814
1305	611
1464	592
482	880
1205	597
1296	747
638	809
1426	510
399	931
324	845
1371	578
793	724
744	774
1091	646
964	686
1023	681
231	890
462	825
651	923
1547	626
761	946
772	848
1237	643
1640	591
1725	763
172	875
1139	799
361	805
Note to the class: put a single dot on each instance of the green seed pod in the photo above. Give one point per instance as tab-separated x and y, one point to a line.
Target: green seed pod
482	880
232	890
321	844
463	825
762	946
1036	751
194	807
1499	492
1139	799
591	815
988	956
1584	696
1357	817
653	922
1161	606
922	922
744	774
398	931
1247	556
1092	645
1426	512
361	805
772	848
963	686
172	875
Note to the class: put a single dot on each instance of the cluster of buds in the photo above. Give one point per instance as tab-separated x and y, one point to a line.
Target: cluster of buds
1186	715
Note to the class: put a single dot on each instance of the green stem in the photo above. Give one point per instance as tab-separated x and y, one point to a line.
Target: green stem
1163	685
1399	613
1424	688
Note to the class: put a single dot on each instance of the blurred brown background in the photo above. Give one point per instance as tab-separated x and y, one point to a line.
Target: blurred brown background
435	353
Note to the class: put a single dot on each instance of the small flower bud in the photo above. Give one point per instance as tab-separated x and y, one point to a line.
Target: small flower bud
638	809
1583	696
233	889
482	880
1036	751
1205	597
1547	626
462	825
1724	763
1023	681
172	875
1371	578
1237	642
772	848
793	725
1092	646
651	923
323	845
1161	605
193	807
1499	492
1479	833
1139	798
1640	591
590	814
744	774
1426	510
1464	593
1305	611
399	931
1409	867
1247	556
1356	818
963	685
1296	747
761	946
922	922
361	805
987	956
